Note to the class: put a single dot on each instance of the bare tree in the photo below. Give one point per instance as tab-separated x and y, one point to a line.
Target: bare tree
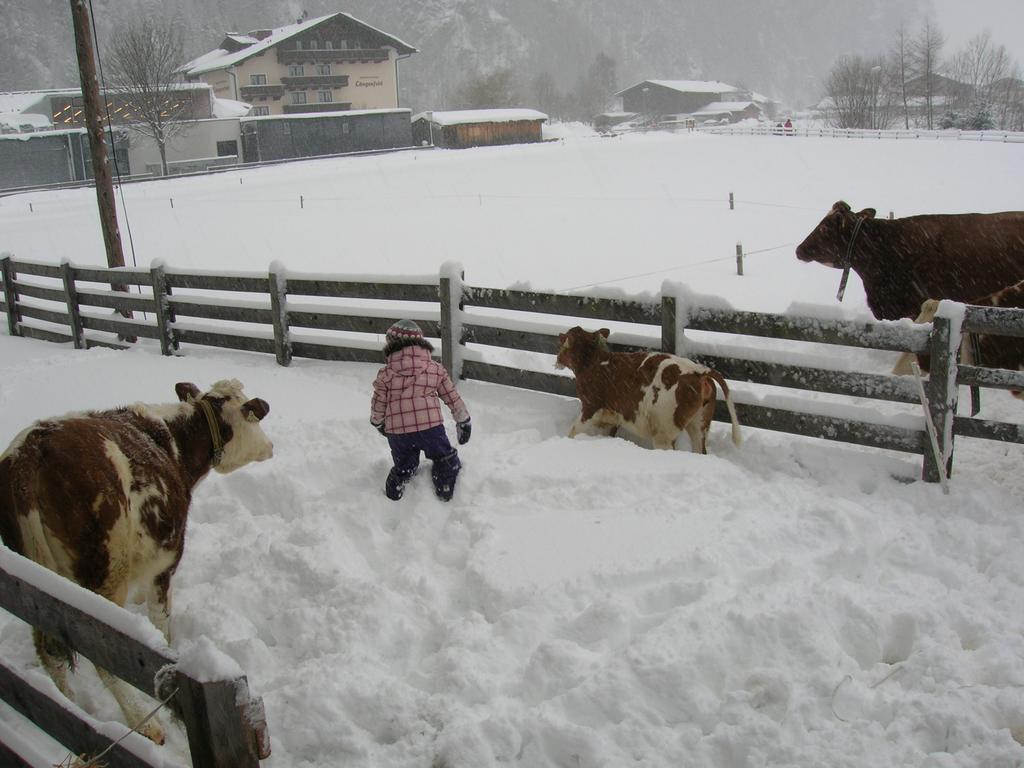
860	93
926	51
493	90
901	72
988	77
596	87
145	54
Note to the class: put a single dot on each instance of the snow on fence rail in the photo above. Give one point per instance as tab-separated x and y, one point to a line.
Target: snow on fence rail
1009	137
332	317
226	727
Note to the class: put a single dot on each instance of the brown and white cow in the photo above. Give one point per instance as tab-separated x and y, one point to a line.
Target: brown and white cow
902	262
650	394
985	349
102	497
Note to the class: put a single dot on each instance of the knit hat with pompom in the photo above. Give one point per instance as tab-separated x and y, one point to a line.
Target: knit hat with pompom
404	330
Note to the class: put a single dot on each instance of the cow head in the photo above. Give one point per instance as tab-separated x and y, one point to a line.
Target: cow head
237	420
579	346
828	242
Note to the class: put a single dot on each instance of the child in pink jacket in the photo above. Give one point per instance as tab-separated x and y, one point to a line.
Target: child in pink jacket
406	409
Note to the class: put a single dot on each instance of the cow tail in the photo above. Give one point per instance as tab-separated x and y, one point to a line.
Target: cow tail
737	438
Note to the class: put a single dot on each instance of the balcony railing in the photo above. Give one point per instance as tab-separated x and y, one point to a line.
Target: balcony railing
329	55
275	91
315	81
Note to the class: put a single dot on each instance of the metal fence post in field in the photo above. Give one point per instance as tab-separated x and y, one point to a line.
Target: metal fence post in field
67	274
279	314
10	296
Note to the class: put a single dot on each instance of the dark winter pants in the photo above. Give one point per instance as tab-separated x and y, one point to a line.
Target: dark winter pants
405	451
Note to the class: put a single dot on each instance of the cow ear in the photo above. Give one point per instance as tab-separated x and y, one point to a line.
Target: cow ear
255	409
604	332
867	213
562	337
186	391
841	206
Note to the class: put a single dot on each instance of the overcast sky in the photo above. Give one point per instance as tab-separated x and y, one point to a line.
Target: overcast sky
960	20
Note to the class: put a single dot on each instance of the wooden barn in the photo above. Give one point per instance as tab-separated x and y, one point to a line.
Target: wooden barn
477	127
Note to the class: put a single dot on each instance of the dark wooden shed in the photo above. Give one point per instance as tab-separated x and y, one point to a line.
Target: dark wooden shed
478	127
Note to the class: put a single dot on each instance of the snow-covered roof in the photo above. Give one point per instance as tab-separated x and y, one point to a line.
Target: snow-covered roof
721	107
687	86
222	59
463	116
229	108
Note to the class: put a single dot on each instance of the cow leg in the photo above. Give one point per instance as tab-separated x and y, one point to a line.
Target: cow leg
699	426
133	707
56	659
158	603
600	423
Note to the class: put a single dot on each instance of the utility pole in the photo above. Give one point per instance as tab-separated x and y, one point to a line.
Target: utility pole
94	128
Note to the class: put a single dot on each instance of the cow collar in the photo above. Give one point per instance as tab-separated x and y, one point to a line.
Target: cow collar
211	420
847	261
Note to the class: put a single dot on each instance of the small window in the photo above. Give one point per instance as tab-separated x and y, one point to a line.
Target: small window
227	149
328	45
346	127
325	96
314	44
259	112
257	79
343	44
296	70
298	97
323	69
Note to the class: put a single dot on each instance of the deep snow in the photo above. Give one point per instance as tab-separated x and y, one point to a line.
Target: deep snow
581	602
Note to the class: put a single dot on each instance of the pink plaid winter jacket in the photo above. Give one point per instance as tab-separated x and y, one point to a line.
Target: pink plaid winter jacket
406	392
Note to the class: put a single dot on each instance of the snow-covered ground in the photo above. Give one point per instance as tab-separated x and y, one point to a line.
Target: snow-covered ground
580	602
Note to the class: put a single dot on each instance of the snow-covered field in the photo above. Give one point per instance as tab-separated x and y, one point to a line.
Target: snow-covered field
581	602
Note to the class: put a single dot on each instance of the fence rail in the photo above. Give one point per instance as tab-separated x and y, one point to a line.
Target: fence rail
320	316
1008	137
225	726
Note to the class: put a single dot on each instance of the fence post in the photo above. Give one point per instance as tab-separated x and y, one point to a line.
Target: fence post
219	733
279	312
444	290
942	395
739	259
163	312
668	324
732	205
67	274
450	295
10	295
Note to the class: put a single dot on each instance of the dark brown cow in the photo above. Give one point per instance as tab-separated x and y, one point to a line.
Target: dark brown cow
102	499
651	394
905	261
985	350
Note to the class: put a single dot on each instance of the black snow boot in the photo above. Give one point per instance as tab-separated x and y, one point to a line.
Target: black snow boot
394	486
444	472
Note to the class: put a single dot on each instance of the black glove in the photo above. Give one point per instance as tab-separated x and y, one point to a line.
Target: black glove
379	428
462	431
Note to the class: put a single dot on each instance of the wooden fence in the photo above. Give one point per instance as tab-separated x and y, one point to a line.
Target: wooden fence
953	134
226	727
319	316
